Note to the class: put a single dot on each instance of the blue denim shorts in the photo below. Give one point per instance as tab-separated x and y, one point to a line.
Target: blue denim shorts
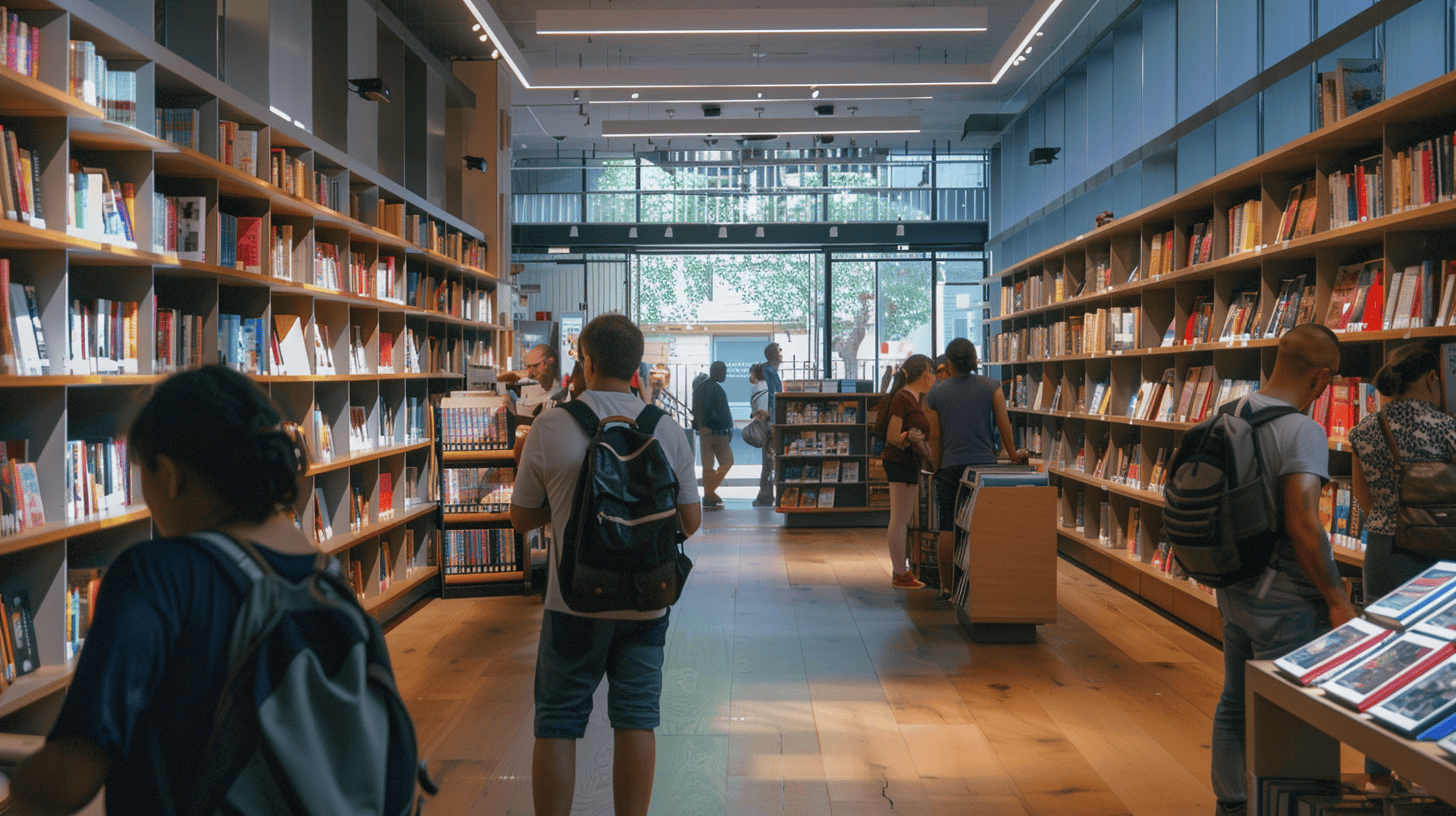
574	654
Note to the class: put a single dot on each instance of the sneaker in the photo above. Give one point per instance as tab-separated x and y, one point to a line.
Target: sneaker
907	580
1234	809
763	502
712	504
943	597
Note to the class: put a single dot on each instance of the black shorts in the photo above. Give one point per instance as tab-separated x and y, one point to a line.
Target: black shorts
902	473
947	485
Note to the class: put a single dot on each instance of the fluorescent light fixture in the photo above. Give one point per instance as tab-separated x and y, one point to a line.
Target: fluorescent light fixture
758	233
764	21
700	96
632	232
819	126
558	251
1026	41
722	232
574	233
668	233
834	232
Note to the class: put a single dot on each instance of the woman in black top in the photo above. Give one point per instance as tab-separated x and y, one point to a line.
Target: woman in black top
213	456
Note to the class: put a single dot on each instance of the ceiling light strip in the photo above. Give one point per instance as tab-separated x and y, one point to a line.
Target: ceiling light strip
1025	41
493	26
727	128
929	19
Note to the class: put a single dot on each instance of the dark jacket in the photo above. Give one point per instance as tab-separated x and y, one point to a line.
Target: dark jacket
710	407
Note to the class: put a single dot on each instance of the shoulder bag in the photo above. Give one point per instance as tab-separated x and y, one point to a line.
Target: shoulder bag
1425	520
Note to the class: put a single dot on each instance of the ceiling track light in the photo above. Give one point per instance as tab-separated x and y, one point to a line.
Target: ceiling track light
900	20
495	53
475	27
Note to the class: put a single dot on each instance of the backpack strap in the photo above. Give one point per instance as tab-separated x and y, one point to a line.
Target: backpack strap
584	416
647	420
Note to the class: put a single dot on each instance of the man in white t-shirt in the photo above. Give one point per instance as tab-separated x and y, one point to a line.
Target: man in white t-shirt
576	650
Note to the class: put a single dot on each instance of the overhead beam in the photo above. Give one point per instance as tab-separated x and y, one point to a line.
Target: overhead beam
762	77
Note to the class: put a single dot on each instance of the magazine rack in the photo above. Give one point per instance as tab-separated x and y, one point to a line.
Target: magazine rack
1006	554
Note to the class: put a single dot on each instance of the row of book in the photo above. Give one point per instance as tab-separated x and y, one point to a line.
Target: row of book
382	570
1396	663
1341	516
1289	796
1353	86
98	208
21	506
820	497
821	413
242	343
1245	232
1341	406
98	478
179	340
82	585
830	470
480	551
478	489
178	126
89	79
1423	174
19	44
1033	292
1297	220
19	182
811	443
1118	465
475	423
240	242
23	348
1357	194
104	337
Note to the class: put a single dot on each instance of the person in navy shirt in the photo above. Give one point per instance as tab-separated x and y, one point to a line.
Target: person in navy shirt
213	455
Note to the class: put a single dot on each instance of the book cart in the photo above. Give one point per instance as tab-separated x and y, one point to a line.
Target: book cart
347	288
820	440
481	554
1005	581
1115	342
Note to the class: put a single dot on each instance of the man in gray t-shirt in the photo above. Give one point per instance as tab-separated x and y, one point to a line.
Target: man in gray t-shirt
1300	595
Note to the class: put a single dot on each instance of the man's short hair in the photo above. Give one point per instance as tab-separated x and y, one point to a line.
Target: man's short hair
767	349
1302	349
614	344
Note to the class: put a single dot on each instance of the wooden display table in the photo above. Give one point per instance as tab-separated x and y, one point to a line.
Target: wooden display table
1295	732
1006	554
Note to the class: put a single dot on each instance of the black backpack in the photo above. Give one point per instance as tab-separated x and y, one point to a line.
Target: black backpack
622	549
310	721
1220	513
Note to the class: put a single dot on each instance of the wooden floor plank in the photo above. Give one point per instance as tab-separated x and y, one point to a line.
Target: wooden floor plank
797	681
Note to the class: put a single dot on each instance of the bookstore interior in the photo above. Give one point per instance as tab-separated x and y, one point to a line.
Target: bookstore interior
377	210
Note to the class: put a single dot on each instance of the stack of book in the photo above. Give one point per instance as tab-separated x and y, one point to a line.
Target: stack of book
21	507
237	147
19	44
104	337
98	478
23	347
19	182
89	80
178	126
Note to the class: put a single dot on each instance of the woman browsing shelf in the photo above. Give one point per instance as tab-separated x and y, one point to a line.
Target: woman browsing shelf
903	425
1410	382
966	412
213	456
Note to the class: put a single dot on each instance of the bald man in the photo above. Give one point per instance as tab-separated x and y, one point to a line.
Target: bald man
1300	595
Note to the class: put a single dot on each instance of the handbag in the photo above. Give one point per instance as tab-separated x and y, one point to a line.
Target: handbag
757	432
1425	520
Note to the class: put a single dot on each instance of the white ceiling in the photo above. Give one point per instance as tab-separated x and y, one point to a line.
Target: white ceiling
907	71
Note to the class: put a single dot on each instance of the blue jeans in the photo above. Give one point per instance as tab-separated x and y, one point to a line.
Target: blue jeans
573	655
1385	569
1254	629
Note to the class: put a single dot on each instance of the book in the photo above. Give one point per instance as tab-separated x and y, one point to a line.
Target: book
826	497
1410	601
790	497
20	627
1369	679
1422	703
1313	661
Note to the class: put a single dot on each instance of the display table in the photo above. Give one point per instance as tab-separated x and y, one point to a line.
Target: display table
1295	732
1006	553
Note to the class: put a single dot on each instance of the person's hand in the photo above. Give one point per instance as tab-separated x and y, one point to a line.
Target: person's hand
1342	613
1021	457
509	376
914	435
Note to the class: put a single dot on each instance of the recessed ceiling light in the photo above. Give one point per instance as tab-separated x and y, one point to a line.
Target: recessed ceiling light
634	94
475	27
815	93
484	37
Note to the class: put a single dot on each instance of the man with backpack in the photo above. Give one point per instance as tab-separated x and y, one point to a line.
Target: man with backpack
578	648
772	357
1298	595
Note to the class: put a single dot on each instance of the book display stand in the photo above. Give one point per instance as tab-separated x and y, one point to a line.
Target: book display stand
824	475
1005	554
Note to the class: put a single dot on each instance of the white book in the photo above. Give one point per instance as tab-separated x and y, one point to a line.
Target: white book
323	358
1443	317
1406	298
292	349
245	151
25	342
1392	294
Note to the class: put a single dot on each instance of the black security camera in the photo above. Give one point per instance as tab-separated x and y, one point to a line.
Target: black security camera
372	89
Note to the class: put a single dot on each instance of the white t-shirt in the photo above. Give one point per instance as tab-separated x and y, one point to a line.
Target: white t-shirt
551	462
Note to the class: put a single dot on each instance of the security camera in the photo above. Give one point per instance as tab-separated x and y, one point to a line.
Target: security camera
372	89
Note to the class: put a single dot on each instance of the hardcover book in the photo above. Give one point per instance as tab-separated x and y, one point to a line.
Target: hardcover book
1368	680
1311	662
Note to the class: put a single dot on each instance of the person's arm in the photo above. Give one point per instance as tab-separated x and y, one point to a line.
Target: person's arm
690	518
1302	523
524	518
1003	426
933	417
1358	484
60	778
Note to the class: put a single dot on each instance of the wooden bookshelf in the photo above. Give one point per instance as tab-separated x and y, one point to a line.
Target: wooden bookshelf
1029	335
428	296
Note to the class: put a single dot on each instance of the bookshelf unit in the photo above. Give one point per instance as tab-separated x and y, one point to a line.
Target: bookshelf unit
408	302
481	554
1048	300
807	427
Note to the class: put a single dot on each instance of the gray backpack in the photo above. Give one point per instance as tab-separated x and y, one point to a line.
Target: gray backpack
310	720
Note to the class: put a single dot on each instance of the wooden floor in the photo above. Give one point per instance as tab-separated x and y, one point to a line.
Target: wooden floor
797	681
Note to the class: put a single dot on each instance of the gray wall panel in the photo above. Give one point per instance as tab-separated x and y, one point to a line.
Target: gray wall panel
363	115
290	56
435	148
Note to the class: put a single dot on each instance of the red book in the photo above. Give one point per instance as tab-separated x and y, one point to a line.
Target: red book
8	351
1428	178
250	244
